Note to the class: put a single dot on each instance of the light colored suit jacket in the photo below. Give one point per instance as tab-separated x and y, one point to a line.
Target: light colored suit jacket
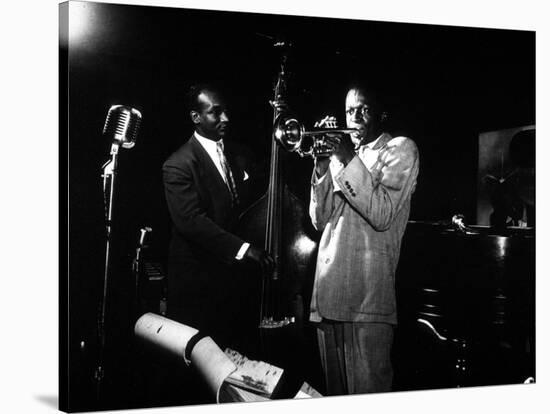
362	210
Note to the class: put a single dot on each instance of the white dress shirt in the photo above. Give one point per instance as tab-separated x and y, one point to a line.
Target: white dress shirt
211	148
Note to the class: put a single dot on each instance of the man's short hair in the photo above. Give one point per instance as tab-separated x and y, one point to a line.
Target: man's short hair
192	96
371	93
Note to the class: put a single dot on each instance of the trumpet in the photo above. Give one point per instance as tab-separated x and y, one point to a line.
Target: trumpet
293	137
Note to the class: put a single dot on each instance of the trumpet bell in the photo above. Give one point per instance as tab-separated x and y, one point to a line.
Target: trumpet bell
288	132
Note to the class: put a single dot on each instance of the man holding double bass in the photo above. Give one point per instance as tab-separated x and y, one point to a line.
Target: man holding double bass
206	188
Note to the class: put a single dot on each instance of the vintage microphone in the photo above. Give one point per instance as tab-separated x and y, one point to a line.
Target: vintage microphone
121	127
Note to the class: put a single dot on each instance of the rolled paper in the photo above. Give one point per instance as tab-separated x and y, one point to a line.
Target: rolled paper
165	334
169	336
212	363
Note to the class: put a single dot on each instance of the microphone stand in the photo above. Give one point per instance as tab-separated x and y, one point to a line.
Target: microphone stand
109	175
137	265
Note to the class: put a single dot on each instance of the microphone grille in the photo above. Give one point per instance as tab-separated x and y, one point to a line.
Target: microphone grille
122	124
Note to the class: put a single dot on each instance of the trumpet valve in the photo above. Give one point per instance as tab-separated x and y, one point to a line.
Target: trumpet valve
320	148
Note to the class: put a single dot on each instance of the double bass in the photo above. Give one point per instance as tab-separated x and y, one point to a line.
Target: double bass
279	221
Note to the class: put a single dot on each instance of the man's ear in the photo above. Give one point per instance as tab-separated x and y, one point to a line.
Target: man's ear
195	117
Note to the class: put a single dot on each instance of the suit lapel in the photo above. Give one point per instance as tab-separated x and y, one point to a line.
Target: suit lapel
213	180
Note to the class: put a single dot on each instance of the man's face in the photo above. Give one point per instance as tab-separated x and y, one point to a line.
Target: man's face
211	121
359	115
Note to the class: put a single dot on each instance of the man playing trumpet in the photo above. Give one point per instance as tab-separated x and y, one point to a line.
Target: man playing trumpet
360	200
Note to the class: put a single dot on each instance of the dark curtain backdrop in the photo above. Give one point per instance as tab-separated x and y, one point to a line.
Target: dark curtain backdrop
443	85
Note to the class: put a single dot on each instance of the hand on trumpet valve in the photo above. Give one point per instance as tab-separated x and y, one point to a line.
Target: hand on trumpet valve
340	146
320	147
336	144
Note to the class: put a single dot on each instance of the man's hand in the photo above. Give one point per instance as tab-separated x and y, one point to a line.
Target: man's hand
342	147
260	258
279	105
339	145
322	161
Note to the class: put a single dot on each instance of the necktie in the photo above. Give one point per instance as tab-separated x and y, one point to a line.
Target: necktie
228	176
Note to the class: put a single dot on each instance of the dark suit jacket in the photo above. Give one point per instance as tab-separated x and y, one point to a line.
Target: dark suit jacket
205	288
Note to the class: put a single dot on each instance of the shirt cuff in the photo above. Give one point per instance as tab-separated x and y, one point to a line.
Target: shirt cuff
242	251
